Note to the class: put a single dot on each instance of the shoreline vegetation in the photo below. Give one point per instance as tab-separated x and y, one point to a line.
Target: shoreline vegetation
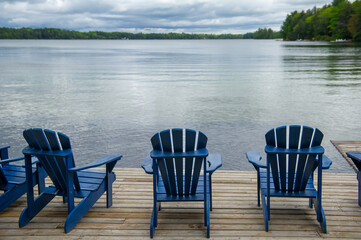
338	21
55	33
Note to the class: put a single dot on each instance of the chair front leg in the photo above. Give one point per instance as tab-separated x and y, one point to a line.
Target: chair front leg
70	191
29	180
258	187
41	175
359	187
210	192
109	186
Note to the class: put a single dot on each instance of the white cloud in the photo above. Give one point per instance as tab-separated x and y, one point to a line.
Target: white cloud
214	16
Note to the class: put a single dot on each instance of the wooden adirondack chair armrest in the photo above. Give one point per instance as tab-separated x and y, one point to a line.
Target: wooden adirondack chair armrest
147	165
354	155
326	162
311	150
4	147
255	159
15	159
214	161
99	162
60	153
160	154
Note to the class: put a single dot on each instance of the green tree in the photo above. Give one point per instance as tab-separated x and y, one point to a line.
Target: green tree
339	18
354	23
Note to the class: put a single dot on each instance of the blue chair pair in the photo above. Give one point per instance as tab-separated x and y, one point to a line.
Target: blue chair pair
178	155
293	154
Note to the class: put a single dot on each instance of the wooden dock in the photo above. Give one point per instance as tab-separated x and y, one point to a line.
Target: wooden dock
346	146
235	213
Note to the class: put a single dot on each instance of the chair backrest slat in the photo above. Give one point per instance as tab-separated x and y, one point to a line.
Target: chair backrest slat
201	143
190	139
180	175
317	138
155	140
306	138
177	137
53	141
55	146
281	142
294	138
65	141
290	172
309	168
167	147
202	140
271	141
62	144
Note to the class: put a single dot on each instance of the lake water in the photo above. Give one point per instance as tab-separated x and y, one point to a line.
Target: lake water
112	96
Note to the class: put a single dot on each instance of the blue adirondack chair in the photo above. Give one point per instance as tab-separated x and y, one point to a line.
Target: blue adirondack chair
293	154
356	158
55	154
176	162
12	178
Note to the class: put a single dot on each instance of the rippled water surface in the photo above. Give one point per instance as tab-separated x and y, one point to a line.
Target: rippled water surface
112	96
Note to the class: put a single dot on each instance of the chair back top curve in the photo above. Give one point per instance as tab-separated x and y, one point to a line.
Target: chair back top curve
291	172
180	174
55	166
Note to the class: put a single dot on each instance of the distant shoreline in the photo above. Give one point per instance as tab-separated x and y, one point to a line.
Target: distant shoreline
60	34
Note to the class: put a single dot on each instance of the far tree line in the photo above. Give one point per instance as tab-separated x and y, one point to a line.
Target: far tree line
54	33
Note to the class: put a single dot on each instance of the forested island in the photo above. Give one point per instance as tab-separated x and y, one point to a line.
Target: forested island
339	20
54	33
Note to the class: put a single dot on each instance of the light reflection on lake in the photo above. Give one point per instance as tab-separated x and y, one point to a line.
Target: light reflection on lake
111	96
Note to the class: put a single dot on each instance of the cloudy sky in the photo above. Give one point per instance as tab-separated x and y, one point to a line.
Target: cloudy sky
190	16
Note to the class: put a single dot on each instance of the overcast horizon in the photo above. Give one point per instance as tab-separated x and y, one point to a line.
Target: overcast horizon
156	16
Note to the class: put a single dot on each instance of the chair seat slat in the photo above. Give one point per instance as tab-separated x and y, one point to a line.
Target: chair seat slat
91	173
171	198
308	193
8	171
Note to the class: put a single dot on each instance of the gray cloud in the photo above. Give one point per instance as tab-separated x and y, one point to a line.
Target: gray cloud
197	16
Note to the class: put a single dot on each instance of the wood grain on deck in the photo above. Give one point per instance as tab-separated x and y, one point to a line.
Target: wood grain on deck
235	213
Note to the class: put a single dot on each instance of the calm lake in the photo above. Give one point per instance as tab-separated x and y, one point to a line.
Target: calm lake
112	96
